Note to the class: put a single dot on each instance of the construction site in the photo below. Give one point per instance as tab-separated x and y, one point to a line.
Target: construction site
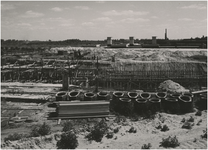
87	84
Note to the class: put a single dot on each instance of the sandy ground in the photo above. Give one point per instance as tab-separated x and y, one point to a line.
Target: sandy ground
138	54
146	133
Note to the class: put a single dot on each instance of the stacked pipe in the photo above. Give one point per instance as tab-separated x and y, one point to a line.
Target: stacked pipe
141	103
61	96
102	95
185	103
73	95
133	96
115	101
155	104
125	106
89	96
162	96
202	101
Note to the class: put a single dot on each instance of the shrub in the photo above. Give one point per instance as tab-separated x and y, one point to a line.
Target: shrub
98	131
34	131
120	119
170	142
195	140
198	113
199	122
204	135
44	129
159	127
132	130
116	130
68	141
191	119
41	130
134	117
109	135
48	139
67	126
183	120
165	128
187	125
14	137
146	146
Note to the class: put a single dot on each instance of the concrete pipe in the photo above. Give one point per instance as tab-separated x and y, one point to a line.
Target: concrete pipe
145	95
125	106
89	96
73	95
155	104
117	95
61	96
102	95
201	103
175	95
115	100
133	96
185	103
171	105
162	96
140	106
189	94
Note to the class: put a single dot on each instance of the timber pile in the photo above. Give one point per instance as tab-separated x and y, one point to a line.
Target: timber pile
82	109
26	98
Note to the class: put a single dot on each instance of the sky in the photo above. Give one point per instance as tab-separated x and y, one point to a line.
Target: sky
97	20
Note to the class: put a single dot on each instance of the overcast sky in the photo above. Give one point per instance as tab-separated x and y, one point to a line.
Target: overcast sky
91	20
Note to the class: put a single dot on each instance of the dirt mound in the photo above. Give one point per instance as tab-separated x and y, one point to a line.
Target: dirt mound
172	87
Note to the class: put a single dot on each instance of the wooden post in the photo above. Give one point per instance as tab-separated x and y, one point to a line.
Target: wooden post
64	80
96	78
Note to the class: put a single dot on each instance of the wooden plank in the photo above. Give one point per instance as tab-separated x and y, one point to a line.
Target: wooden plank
79	117
199	92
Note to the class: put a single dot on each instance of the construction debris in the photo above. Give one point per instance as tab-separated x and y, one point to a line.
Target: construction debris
172	87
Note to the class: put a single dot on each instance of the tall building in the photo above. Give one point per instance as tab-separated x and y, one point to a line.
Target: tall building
109	41
166	34
154	41
131	39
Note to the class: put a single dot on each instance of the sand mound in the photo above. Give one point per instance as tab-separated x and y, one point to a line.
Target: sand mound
172	87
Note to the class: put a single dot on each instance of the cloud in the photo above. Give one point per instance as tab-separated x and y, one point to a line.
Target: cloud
56	9
88	24
204	20
32	14
82	7
194	6
134	20
154	17
124	13
100	2
24	24
103	19
185	19
66	24
7	7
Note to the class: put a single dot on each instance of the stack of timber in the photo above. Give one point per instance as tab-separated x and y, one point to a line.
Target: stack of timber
82	109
